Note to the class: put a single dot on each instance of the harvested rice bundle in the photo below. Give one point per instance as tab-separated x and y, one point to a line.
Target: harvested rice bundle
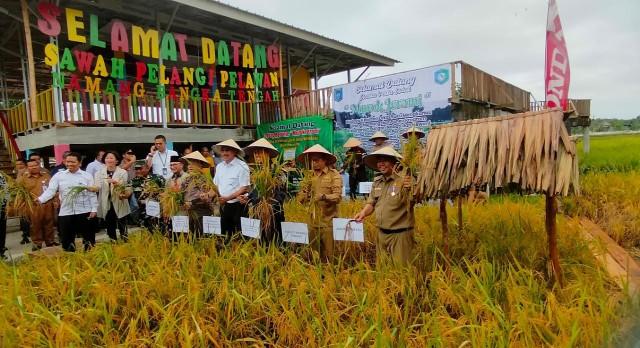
267	177
171	201
20	199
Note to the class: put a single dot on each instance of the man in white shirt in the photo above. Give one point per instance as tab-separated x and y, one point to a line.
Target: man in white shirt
96	165
76	213
159	157
232	178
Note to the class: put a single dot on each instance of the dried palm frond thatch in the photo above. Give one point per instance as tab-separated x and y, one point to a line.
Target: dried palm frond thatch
532	149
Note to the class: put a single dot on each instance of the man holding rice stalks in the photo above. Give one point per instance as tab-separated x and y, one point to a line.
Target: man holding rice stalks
199	192
268	190
232	179
78	205
321	189
392	200
145	186
353	165
41	217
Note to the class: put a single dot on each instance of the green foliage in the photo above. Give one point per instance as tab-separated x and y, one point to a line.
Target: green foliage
614	153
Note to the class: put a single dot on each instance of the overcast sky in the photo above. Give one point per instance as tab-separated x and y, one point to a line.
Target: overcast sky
506	38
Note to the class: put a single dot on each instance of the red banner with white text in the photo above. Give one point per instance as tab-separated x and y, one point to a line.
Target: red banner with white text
557	72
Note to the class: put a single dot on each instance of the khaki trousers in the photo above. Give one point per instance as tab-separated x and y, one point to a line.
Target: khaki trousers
398	246
41	221
321	240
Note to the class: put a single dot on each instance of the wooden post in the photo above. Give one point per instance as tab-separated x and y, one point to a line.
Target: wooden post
32	69
460	212
283	112
445	224
551	209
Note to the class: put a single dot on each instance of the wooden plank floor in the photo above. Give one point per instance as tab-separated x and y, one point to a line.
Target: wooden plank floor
618	262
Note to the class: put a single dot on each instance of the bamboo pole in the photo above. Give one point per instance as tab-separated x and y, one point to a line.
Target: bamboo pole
283	113
460	212
30	60
551	209
445	224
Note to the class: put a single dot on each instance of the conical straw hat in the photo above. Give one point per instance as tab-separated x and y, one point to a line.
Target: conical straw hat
417	131
232	144
378	134
261	144
352	142
371	160
316	149
197	156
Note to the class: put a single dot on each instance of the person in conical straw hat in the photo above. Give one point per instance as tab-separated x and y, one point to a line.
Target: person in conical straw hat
353	165
393	202
415	131
322	191
380	140
199	191
259	148
267	202
232	179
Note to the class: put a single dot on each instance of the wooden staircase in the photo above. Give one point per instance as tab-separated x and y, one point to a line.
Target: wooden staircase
6	164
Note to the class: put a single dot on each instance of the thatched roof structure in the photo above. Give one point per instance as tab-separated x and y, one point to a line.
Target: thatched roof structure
532	149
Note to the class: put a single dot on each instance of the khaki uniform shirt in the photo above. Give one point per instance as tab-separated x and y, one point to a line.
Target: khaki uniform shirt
34	183
393	206
329	183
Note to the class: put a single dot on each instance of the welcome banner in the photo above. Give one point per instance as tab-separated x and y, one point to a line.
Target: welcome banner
96	62
393	103
291	137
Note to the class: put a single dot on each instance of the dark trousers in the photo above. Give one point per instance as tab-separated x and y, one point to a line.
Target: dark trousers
353	187
112	222
69	224
3	228
230	214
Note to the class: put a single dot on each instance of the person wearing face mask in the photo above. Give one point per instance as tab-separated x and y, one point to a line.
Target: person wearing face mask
113	205
393	204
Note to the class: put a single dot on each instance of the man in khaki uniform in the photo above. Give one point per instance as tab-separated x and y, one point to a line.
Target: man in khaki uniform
325	191
42	215
380	141
391	200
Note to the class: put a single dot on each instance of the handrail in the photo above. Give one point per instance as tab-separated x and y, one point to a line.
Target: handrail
8	138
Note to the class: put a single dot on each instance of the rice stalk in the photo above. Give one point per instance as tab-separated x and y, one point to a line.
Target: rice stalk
267	176
171	201
74	193
19	197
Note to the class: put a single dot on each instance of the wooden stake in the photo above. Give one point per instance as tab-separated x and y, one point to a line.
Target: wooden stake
283	112
445	224
551	209
30	60
460	212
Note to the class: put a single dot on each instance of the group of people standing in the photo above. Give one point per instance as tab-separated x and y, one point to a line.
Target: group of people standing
118	193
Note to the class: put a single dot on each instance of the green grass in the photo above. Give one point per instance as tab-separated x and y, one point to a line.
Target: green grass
611	153
496	292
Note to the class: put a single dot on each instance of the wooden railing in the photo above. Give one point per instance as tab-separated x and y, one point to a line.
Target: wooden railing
94	108
7	137
317	102
480	86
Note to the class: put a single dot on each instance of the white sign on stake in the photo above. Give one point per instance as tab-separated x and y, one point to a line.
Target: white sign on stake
348	230
250	227
180	224
289	153
365	187
295	232
212	225
153	208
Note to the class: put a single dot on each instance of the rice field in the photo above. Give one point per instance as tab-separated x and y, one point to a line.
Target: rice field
495	290
611	153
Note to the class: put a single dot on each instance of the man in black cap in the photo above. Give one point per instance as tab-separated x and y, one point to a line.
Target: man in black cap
139	198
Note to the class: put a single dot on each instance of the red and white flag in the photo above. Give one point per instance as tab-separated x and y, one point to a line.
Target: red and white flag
557	72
